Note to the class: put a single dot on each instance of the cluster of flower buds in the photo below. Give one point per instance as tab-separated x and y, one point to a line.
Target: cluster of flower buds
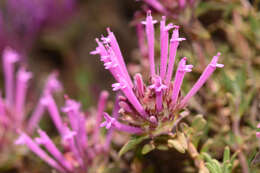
81	138
13	106
145	108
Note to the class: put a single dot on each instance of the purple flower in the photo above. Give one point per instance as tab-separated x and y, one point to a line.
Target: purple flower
83	142
21	90
23	20
158	87
13	106
49	103
52	85
161	100
24	139
112	122
45	140
9	58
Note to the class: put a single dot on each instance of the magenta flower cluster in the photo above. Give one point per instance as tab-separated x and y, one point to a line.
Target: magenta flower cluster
81	141
146	107
81	138
13	106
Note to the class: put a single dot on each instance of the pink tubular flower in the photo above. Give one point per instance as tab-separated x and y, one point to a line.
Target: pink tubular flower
14	109
13	106
182	69
9	58
48	101
21	89
52	85
112	122
164	37
149	23
158	87
45	140
144	108
81	140
174	43
24	139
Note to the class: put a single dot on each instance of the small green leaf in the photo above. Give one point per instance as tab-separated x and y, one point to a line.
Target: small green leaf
233	157
174	143
206	156
147	148
227	167
216	165
131	144
212	164
211	167
240	79
199	126
227	83
162	147
245	102
163	127
226	155
205	147
188	131
199	123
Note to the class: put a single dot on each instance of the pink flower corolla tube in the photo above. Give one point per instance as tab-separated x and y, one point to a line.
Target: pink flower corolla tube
83	143
145	108
14	102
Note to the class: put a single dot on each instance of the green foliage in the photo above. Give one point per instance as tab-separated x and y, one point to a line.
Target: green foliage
131	144
179	143
197	130
241	96
147	148
163	141
215	166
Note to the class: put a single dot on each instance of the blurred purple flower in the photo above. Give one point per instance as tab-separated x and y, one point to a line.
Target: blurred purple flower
13	106
144	108
81	138
169	7
23	20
